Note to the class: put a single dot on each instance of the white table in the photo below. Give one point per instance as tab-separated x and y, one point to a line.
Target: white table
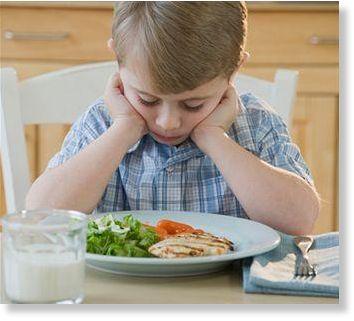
220	287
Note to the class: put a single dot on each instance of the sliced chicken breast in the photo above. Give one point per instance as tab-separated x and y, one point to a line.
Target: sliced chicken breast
191	244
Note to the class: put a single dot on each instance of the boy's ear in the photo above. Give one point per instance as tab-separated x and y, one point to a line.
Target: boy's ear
110	44
244	59
111	48
246	56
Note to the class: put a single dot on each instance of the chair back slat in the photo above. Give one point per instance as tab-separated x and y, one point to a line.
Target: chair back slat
61	96
13	144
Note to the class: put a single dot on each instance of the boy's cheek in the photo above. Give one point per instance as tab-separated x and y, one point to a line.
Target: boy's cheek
131	99
134	103
212	108
140	109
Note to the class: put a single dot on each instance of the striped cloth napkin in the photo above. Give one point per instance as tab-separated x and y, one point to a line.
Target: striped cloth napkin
273	272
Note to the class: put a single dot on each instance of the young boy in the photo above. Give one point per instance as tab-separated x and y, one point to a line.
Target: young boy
171	132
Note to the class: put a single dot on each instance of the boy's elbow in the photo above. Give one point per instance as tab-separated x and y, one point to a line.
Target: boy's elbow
314	211
37	197
40	192
311	213
32	202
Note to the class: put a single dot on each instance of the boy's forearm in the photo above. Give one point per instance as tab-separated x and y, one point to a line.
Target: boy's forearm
268	194
79	183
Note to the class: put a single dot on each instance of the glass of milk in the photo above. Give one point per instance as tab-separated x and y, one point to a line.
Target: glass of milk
43	256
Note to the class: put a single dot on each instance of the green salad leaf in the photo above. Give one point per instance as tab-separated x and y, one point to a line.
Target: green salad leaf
128	237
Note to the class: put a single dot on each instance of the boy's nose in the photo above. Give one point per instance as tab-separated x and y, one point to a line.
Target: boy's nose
168	120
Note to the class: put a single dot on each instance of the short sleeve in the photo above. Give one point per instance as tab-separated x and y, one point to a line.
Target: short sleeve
74	141
276	148
93	123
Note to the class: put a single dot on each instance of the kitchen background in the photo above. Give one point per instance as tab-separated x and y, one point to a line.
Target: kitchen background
301	36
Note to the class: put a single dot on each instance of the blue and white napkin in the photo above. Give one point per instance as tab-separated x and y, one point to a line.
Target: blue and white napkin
273	272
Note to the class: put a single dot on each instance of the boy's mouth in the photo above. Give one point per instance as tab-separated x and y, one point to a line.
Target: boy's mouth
166	139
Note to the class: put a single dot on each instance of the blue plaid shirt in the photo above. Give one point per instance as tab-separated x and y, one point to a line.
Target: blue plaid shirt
154	176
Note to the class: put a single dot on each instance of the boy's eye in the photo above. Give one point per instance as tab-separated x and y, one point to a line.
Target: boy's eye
148	103
193	108
157	101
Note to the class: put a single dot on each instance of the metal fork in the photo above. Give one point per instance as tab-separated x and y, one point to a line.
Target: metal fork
304	268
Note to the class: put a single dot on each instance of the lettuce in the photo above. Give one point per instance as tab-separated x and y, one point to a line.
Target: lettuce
129	237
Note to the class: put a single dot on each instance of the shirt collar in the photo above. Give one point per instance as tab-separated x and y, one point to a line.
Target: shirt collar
241	104
135	146
185	150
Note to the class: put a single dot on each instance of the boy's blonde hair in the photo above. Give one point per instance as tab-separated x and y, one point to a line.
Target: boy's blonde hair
184	44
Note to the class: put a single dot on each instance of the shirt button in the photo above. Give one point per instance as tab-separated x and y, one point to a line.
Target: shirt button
169	170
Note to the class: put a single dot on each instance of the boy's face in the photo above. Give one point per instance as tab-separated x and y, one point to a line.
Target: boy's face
171	118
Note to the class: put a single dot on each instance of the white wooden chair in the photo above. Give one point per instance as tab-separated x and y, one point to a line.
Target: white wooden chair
280	94
61	96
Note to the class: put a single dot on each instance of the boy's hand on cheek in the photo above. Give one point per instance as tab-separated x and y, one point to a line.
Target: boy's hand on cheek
120	109
219	120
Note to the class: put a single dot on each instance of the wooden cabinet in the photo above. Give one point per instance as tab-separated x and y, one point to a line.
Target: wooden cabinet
288	37
55	34
281	35
315	130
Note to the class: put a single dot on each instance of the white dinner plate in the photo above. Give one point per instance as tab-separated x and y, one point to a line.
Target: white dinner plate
250	238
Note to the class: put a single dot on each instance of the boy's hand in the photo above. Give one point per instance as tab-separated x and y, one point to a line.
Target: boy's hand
120	109
220	119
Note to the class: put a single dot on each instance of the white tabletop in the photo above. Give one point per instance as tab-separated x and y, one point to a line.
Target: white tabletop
220	287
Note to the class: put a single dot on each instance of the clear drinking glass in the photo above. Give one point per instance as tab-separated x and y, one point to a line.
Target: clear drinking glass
43	256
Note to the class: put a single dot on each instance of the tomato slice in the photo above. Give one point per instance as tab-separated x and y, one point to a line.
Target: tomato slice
166	228
173	227
161	232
